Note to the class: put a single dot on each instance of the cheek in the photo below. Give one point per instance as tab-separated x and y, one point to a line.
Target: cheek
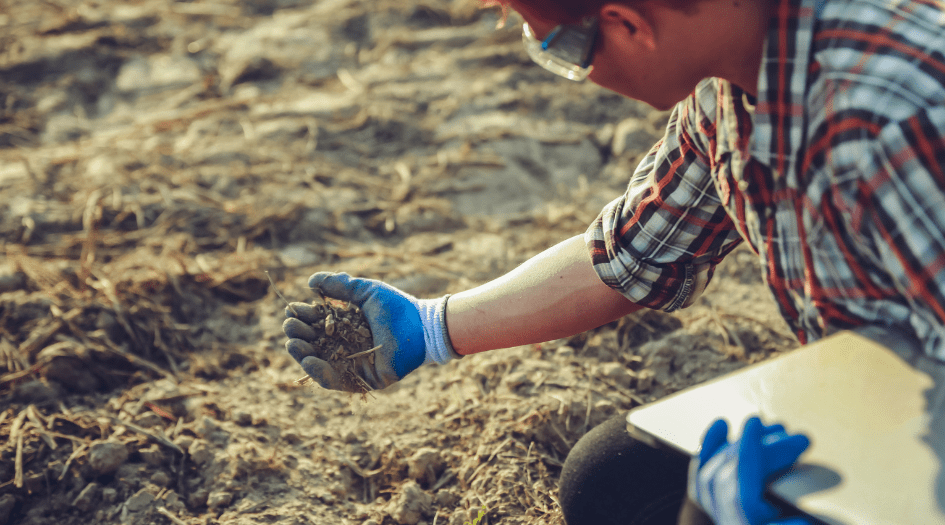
541	25
612	69
638	87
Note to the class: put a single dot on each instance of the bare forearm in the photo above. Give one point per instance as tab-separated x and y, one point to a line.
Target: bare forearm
552	295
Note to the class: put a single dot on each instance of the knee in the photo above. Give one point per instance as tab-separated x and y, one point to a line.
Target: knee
608	475
598	450
590	466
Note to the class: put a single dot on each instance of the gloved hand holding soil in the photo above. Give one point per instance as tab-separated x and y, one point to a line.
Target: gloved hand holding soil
338	336
385	335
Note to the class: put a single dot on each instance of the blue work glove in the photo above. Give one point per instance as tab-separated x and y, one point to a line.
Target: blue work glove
728	480
410	331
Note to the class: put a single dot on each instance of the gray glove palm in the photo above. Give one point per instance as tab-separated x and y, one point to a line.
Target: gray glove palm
410	331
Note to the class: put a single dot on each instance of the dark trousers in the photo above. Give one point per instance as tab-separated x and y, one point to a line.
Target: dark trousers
609	478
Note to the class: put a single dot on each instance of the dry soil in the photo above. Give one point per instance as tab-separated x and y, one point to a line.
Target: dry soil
156	157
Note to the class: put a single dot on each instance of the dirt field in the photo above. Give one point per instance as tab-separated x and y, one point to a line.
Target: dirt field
157	157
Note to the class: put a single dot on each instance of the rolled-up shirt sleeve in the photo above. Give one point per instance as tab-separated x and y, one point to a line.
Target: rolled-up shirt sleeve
658	244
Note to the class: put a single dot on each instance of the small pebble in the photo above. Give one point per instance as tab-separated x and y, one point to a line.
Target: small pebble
605	406
184	441
173	501
564	351
515	380
338	489
410	504
197	498
161	478
152	455
243	418
446	499
139	501
219	499
617	373
206	426
200	452
425	465
148	420
34	482
645	380
106	456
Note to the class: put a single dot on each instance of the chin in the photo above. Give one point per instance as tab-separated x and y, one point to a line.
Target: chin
660	101
662	106
659	104
665	100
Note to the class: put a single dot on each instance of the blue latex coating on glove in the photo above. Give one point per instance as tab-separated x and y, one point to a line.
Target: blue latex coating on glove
729	480
393	315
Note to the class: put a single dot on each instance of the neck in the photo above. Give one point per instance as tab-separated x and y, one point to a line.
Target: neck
747	55
733	49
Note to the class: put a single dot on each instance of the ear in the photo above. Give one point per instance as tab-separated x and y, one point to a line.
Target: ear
630	23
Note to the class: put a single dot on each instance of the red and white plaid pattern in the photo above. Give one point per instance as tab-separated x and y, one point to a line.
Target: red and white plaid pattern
835	178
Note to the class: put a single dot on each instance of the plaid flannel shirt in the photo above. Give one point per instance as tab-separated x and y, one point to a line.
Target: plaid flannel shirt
835	178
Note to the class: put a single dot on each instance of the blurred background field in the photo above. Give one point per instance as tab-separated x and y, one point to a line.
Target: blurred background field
157	157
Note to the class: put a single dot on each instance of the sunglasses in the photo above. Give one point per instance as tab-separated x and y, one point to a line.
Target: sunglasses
567	51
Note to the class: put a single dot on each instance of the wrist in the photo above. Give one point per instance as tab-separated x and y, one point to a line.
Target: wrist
439	348
715	487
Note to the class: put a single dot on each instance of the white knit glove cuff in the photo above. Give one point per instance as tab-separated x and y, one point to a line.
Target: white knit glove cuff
435	335
715	487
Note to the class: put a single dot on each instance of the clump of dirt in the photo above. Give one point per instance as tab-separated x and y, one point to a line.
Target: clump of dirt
340	335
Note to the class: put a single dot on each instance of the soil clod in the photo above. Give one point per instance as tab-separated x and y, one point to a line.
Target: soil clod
107	456
339	335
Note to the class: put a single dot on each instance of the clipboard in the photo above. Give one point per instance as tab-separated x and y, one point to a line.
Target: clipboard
874	456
